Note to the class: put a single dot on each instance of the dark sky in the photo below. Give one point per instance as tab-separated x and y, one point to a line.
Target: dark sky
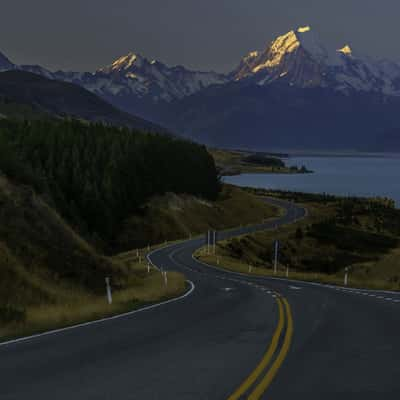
202	34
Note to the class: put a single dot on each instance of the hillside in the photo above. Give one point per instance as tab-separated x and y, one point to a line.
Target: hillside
65	189
97	176
172	217
32	93
51	277
72	191
360	234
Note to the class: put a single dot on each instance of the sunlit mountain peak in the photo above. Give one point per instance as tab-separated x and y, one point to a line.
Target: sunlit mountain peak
345	50
303	29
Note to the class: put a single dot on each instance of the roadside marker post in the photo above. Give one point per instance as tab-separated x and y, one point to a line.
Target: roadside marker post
137	253
287	272
165	278
108	288
276	248
250	268
148	267
215	241
346	276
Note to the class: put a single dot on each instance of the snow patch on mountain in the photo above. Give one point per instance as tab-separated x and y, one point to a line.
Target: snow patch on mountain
155	79
300	59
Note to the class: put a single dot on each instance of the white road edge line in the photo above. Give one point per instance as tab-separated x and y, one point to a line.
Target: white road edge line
98	321
293	281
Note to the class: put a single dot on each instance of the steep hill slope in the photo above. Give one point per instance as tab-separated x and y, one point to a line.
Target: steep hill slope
39	251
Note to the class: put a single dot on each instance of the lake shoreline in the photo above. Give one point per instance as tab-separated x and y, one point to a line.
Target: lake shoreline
341	176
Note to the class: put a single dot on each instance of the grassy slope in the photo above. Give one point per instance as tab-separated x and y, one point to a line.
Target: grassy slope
50	277
172	217
320	253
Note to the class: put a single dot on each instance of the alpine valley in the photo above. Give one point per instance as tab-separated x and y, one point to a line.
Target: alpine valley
295	94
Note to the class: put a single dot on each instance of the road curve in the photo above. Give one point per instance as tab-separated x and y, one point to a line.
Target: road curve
334	343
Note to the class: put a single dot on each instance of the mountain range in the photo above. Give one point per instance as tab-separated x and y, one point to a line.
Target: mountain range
294	94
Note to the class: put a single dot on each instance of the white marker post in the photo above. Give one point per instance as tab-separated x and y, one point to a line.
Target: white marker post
148	267
137	253
165	278
287	272
346	276
215	240
276	257
108	287
250	268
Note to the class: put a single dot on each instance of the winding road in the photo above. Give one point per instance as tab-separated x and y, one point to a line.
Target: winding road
231	337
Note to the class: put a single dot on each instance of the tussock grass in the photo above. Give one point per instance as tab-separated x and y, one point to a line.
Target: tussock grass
85	307
233	264
50	277
320	247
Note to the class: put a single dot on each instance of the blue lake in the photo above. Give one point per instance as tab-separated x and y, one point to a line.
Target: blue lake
355	176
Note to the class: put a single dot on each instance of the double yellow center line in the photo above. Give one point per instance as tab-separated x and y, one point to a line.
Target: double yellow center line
285	315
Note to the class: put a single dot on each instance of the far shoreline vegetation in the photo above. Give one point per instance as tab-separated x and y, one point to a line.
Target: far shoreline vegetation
236	162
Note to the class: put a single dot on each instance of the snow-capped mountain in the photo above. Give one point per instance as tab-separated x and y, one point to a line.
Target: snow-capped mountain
155	79
299	59
295	74
131	78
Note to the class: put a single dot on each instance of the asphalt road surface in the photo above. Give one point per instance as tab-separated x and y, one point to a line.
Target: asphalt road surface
232	337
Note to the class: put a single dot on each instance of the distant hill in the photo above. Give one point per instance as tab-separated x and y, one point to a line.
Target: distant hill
21	90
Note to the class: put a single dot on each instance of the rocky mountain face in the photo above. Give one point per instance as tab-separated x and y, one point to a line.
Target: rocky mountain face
295	68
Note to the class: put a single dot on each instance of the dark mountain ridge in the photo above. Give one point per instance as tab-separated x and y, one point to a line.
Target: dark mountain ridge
62	99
